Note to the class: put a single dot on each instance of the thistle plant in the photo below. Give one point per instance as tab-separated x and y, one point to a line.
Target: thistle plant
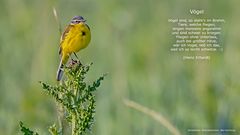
76	98
26	130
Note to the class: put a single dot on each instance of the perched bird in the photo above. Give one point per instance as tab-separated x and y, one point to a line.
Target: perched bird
76	37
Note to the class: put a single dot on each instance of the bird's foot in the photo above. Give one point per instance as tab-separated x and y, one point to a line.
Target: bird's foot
74	62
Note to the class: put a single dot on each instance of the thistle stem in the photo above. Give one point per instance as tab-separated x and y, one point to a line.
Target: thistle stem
73	124
60	111
74	120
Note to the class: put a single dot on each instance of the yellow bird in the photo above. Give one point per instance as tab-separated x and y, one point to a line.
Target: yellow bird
76	37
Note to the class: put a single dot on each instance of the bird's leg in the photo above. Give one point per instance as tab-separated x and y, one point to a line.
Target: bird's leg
73	61
71	58
77	58
76	55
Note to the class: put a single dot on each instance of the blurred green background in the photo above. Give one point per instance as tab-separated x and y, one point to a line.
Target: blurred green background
130	41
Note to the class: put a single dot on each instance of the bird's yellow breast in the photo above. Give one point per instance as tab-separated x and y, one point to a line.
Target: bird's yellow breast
77	38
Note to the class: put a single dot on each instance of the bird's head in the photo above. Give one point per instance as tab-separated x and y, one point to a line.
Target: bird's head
77	20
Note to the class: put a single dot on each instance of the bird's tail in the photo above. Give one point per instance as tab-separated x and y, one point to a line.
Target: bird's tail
60	71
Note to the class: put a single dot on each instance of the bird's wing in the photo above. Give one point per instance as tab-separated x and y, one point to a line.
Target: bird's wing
66	31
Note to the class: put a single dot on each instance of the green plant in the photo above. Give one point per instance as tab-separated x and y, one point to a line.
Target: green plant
76	98
26	130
